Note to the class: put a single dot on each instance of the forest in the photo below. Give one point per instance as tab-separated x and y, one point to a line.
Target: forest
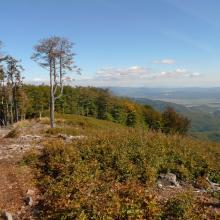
32	101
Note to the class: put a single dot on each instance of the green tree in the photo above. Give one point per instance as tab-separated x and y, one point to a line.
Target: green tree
102	107
174	123
152	118
131	119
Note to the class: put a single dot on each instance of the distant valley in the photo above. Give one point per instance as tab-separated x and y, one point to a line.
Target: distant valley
200	105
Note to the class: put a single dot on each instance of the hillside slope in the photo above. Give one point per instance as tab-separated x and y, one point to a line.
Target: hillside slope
96	169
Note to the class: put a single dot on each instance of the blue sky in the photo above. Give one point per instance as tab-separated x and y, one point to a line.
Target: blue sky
156	43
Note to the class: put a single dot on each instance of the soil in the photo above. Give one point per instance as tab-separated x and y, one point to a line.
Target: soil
15	179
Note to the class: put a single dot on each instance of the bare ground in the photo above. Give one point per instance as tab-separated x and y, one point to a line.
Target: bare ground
15	179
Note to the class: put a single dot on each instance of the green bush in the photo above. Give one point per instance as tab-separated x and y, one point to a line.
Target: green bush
182	206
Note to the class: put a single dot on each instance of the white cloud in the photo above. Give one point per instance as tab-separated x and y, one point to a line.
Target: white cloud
132	72
131	76
178	73
165	61
135	76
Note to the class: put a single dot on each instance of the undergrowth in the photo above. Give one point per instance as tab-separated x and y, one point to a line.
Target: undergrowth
112	173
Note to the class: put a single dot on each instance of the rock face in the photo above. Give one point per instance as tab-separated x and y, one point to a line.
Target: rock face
167	180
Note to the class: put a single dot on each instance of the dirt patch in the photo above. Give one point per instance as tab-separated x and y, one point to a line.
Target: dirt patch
15	180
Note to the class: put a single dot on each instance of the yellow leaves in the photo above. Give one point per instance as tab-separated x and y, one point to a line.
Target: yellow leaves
130	106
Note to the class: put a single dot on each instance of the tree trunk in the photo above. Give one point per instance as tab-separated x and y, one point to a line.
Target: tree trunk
51	97
11	112
15	104
6	113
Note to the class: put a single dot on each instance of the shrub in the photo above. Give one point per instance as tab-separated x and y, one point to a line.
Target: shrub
110	174
54	131
181	206
14	133
131	119
174	123
202	183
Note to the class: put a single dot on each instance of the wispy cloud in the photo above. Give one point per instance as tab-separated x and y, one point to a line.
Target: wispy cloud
131	76
165	61
135	76
122	73
178	73
195	12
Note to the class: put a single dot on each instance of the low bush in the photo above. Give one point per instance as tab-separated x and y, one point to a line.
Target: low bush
14	133
182	206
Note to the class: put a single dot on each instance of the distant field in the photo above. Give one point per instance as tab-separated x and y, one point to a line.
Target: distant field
184	96
215	103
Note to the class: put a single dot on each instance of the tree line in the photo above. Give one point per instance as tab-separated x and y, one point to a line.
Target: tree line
101	104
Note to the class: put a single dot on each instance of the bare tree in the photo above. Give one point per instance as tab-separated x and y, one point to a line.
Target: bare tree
55	54
14	82
10	89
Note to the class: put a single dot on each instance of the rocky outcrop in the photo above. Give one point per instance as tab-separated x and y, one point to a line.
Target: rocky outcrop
167	180
71	138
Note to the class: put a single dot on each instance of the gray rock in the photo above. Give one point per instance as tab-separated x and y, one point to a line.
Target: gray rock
29	201
215	186
30	137
71	138
168	179
7	216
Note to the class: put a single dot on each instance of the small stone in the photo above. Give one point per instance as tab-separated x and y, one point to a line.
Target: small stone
29	200
159	185
7	216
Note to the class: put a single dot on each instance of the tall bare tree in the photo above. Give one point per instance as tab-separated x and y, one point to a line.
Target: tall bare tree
10	90
14	82
55	54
